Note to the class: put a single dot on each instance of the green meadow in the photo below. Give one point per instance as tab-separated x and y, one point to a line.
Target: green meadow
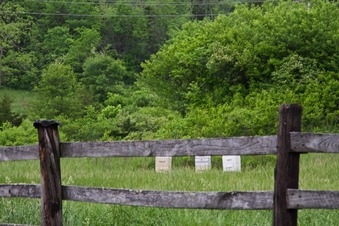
22	100
318	171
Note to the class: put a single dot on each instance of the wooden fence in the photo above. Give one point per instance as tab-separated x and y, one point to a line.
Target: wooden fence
285	200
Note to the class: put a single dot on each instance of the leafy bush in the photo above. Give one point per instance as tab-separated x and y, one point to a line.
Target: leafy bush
281	44
18	135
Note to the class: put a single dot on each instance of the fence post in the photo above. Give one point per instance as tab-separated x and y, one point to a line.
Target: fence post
49	154
287	167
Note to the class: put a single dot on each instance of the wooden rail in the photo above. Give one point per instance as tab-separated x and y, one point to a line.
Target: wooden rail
255	145
162	199
285	200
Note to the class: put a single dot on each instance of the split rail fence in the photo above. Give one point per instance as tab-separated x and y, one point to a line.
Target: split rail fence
284	201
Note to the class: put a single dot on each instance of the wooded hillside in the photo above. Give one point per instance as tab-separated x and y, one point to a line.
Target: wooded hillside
115	70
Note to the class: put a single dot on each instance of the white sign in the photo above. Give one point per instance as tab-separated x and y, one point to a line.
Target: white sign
231	163
163	164
202	163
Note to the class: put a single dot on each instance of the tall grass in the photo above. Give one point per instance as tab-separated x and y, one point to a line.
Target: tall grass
318	171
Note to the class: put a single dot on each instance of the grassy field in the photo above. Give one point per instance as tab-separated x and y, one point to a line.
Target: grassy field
22	100
318	171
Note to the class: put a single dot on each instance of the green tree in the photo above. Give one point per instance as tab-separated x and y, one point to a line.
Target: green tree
201	9
20	70
179	68
82	47
103	74
125	30
74	15
208	62
57	42
58	93
162	18
6	114
14	33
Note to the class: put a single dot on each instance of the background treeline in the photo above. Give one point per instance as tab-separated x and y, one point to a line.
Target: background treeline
114	70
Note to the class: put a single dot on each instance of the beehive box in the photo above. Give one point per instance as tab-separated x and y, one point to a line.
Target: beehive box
163	164
202	163
231	163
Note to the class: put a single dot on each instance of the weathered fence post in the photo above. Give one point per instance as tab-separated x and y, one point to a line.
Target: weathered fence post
49	154
287	168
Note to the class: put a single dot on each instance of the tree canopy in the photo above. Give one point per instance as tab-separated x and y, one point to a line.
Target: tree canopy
254	48
112	70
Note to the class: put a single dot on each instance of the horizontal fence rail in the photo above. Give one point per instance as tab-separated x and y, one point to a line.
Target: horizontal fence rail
163	199
312	199
314	142
256	200
172	199
284	201
255	145
192	147
19	153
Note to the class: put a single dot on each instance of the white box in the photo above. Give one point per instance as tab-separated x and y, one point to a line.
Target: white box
163	164
231	163
202	163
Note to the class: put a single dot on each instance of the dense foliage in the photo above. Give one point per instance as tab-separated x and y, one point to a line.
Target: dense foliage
166	69
257	56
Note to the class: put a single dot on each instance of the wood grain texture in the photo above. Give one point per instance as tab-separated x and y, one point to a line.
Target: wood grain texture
254	145
296	199
11	153
171	199
260	200
313	142
306	199
287	166
51	190
20	190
